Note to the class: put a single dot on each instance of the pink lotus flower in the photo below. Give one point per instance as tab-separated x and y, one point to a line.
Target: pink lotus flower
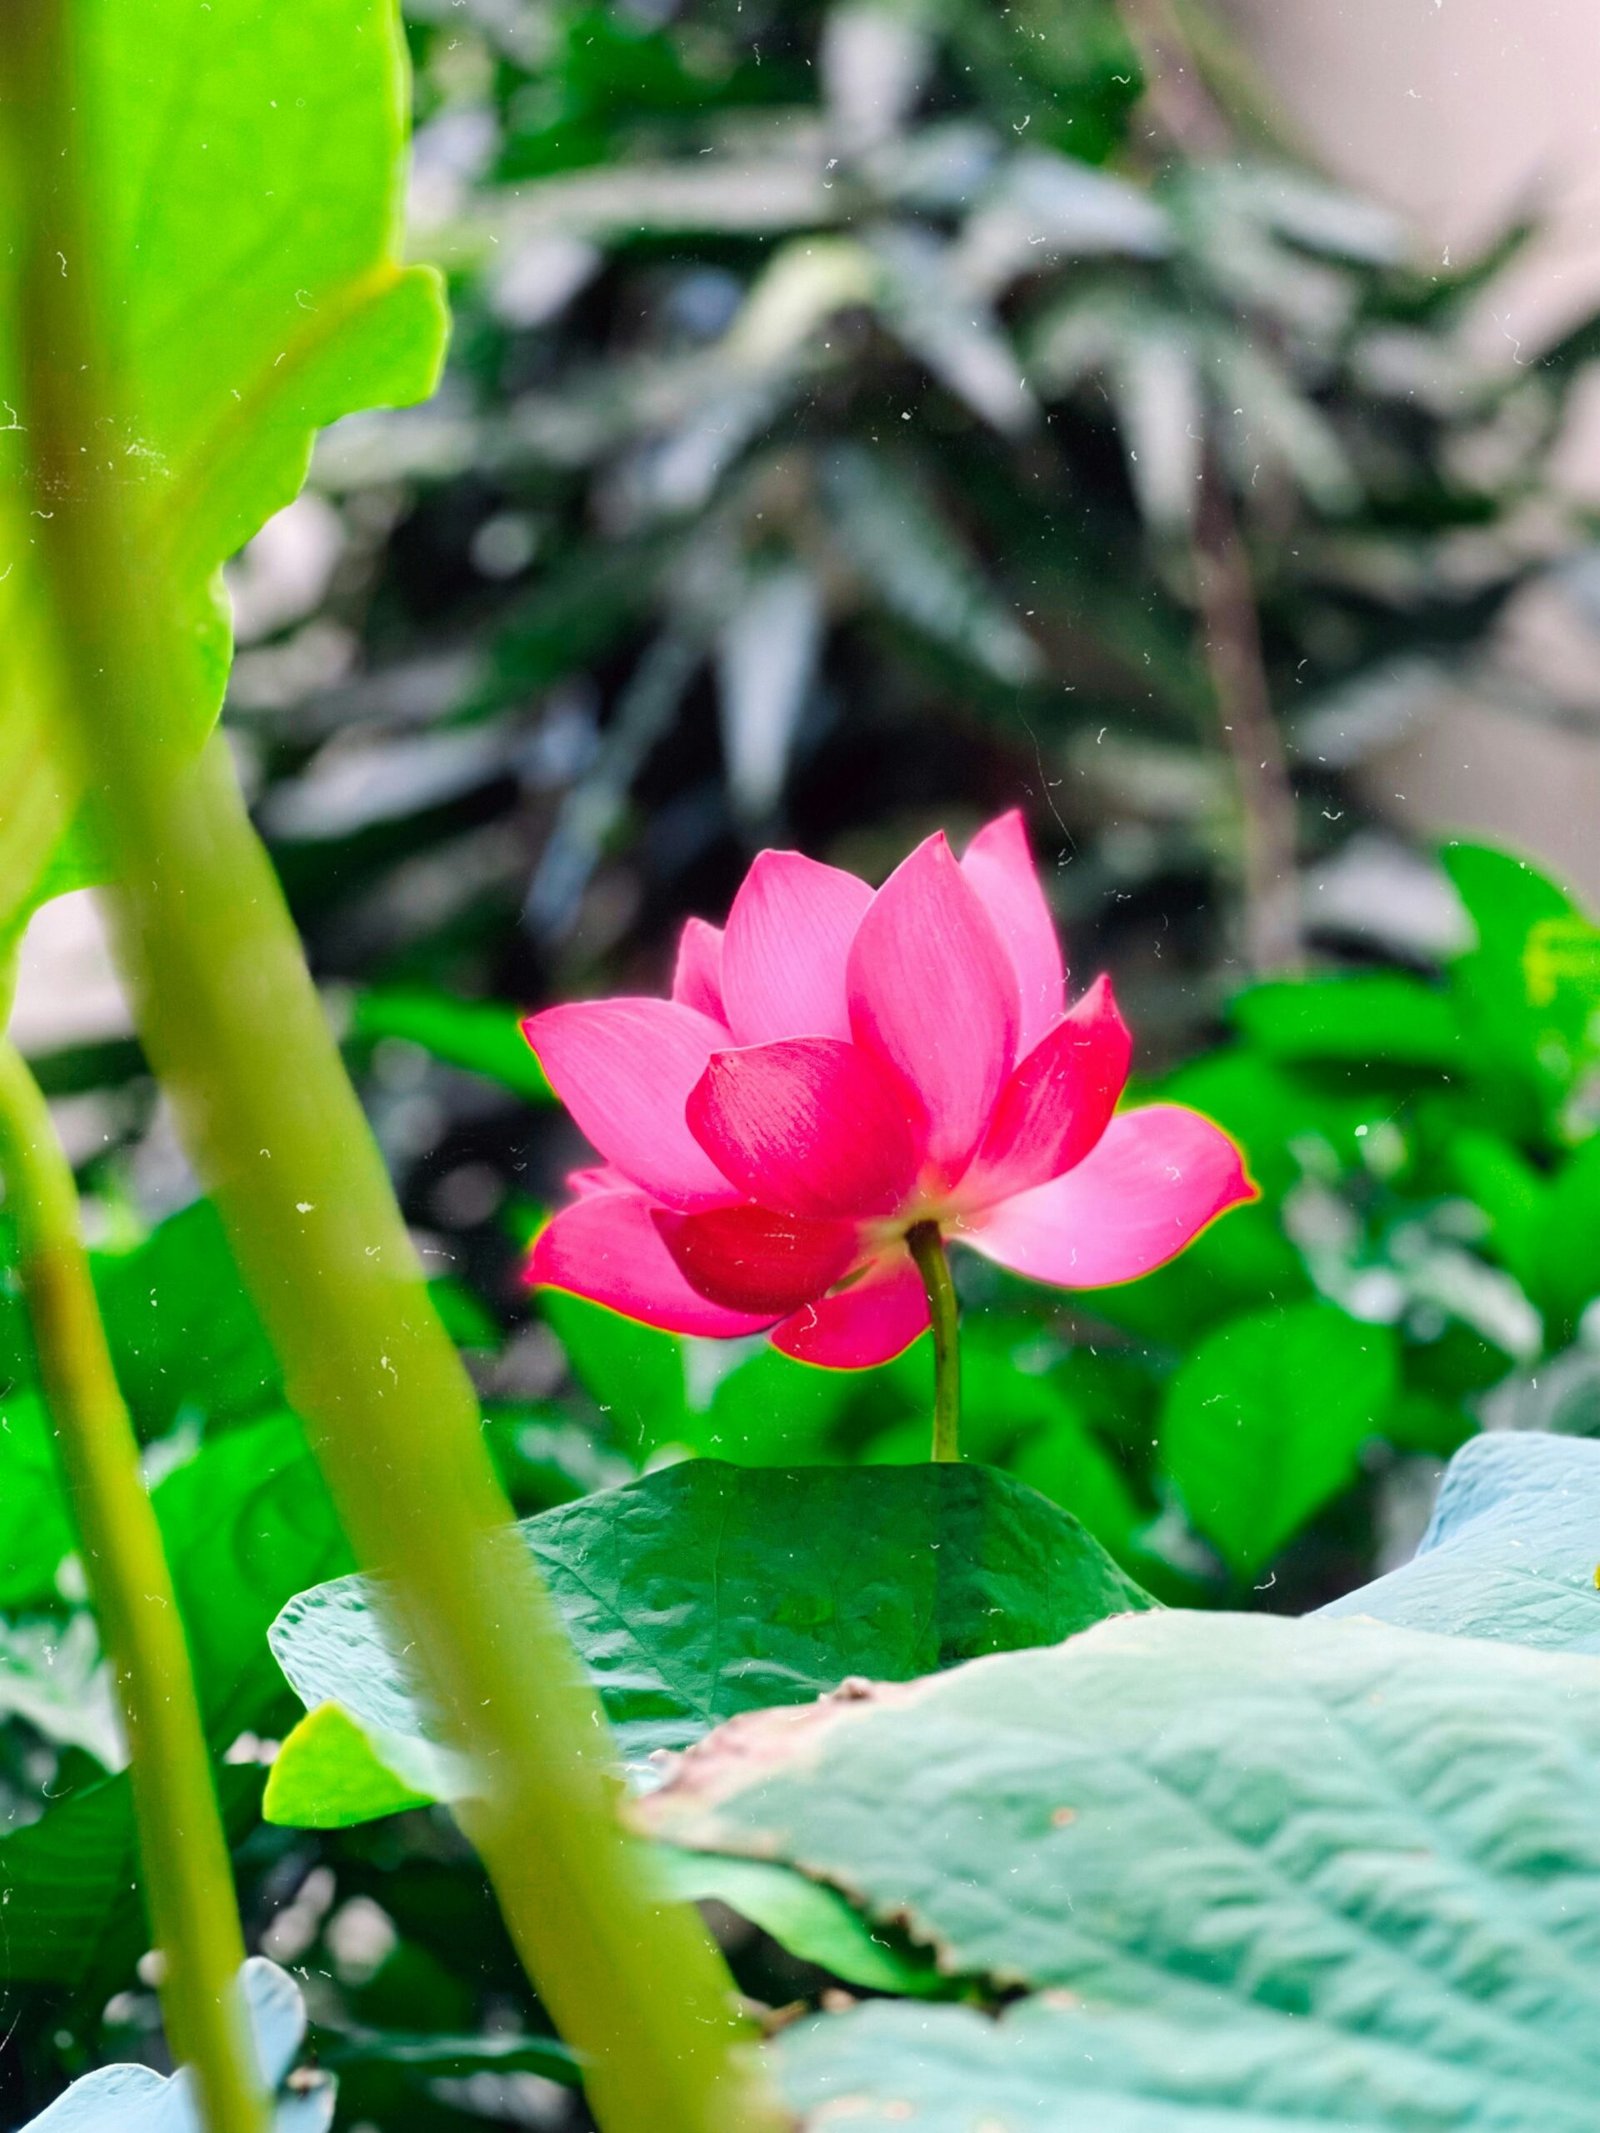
838	1068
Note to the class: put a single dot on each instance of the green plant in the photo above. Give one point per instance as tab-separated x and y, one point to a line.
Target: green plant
925	1731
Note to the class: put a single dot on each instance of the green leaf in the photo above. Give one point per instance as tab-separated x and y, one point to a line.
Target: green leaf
705	1590
1264	1423
243	181
184	1335
1377	1017
245	1522
35	1529
1511	1551
328	1775
811	1921
1525	1031
135	2099
482	1037
1567	1263
1282	1874
634	1373
69	1884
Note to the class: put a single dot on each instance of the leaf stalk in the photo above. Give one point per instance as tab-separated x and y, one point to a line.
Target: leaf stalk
187	1877
231	1022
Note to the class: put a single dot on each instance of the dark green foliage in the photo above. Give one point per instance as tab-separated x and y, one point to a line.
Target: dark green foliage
708	1590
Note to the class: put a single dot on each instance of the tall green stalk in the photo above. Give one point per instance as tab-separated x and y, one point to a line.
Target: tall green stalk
187	1878
926	1247
232	1024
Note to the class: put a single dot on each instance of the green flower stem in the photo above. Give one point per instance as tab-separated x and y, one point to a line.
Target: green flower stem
926	1246
187	1878
234	1029
232	1024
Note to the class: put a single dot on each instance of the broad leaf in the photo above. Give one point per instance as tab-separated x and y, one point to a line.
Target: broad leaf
1266	1419
134	2099
242	190
706	1590
1511	1551
1281	1873
69	1884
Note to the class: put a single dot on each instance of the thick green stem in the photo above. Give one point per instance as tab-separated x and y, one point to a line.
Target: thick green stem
232	1024
927	1249
187	1879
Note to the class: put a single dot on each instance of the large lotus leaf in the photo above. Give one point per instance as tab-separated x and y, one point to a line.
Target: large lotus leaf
1511	1551
241	175
706	1590
1285	1873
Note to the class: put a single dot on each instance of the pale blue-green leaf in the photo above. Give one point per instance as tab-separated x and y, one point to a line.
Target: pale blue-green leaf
1280	1873
1511	1552
133	2099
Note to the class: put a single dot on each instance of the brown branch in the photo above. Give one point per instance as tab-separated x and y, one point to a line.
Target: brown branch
1179	102
1230	636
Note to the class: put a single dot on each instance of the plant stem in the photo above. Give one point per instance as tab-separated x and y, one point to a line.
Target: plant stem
1230	631
232	1024
187	1878
926	1247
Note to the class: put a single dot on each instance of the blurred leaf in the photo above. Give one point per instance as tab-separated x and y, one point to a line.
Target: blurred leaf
431	2058
1155	386
898	538
766	663
246	1522
1266	418
134	2099
763	1408
1524	1034
1372	1018
36	1531
1569	1243
184	1335
632	1372
69	1884
53	1676
1561	1396
950	328
244	237
1042	208
482	1037
1265	1421
1512	1195
685	1613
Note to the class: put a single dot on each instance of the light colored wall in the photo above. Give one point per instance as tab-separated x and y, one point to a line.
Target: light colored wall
1466	114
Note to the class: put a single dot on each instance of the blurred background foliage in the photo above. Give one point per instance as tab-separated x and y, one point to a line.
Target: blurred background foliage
861	418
